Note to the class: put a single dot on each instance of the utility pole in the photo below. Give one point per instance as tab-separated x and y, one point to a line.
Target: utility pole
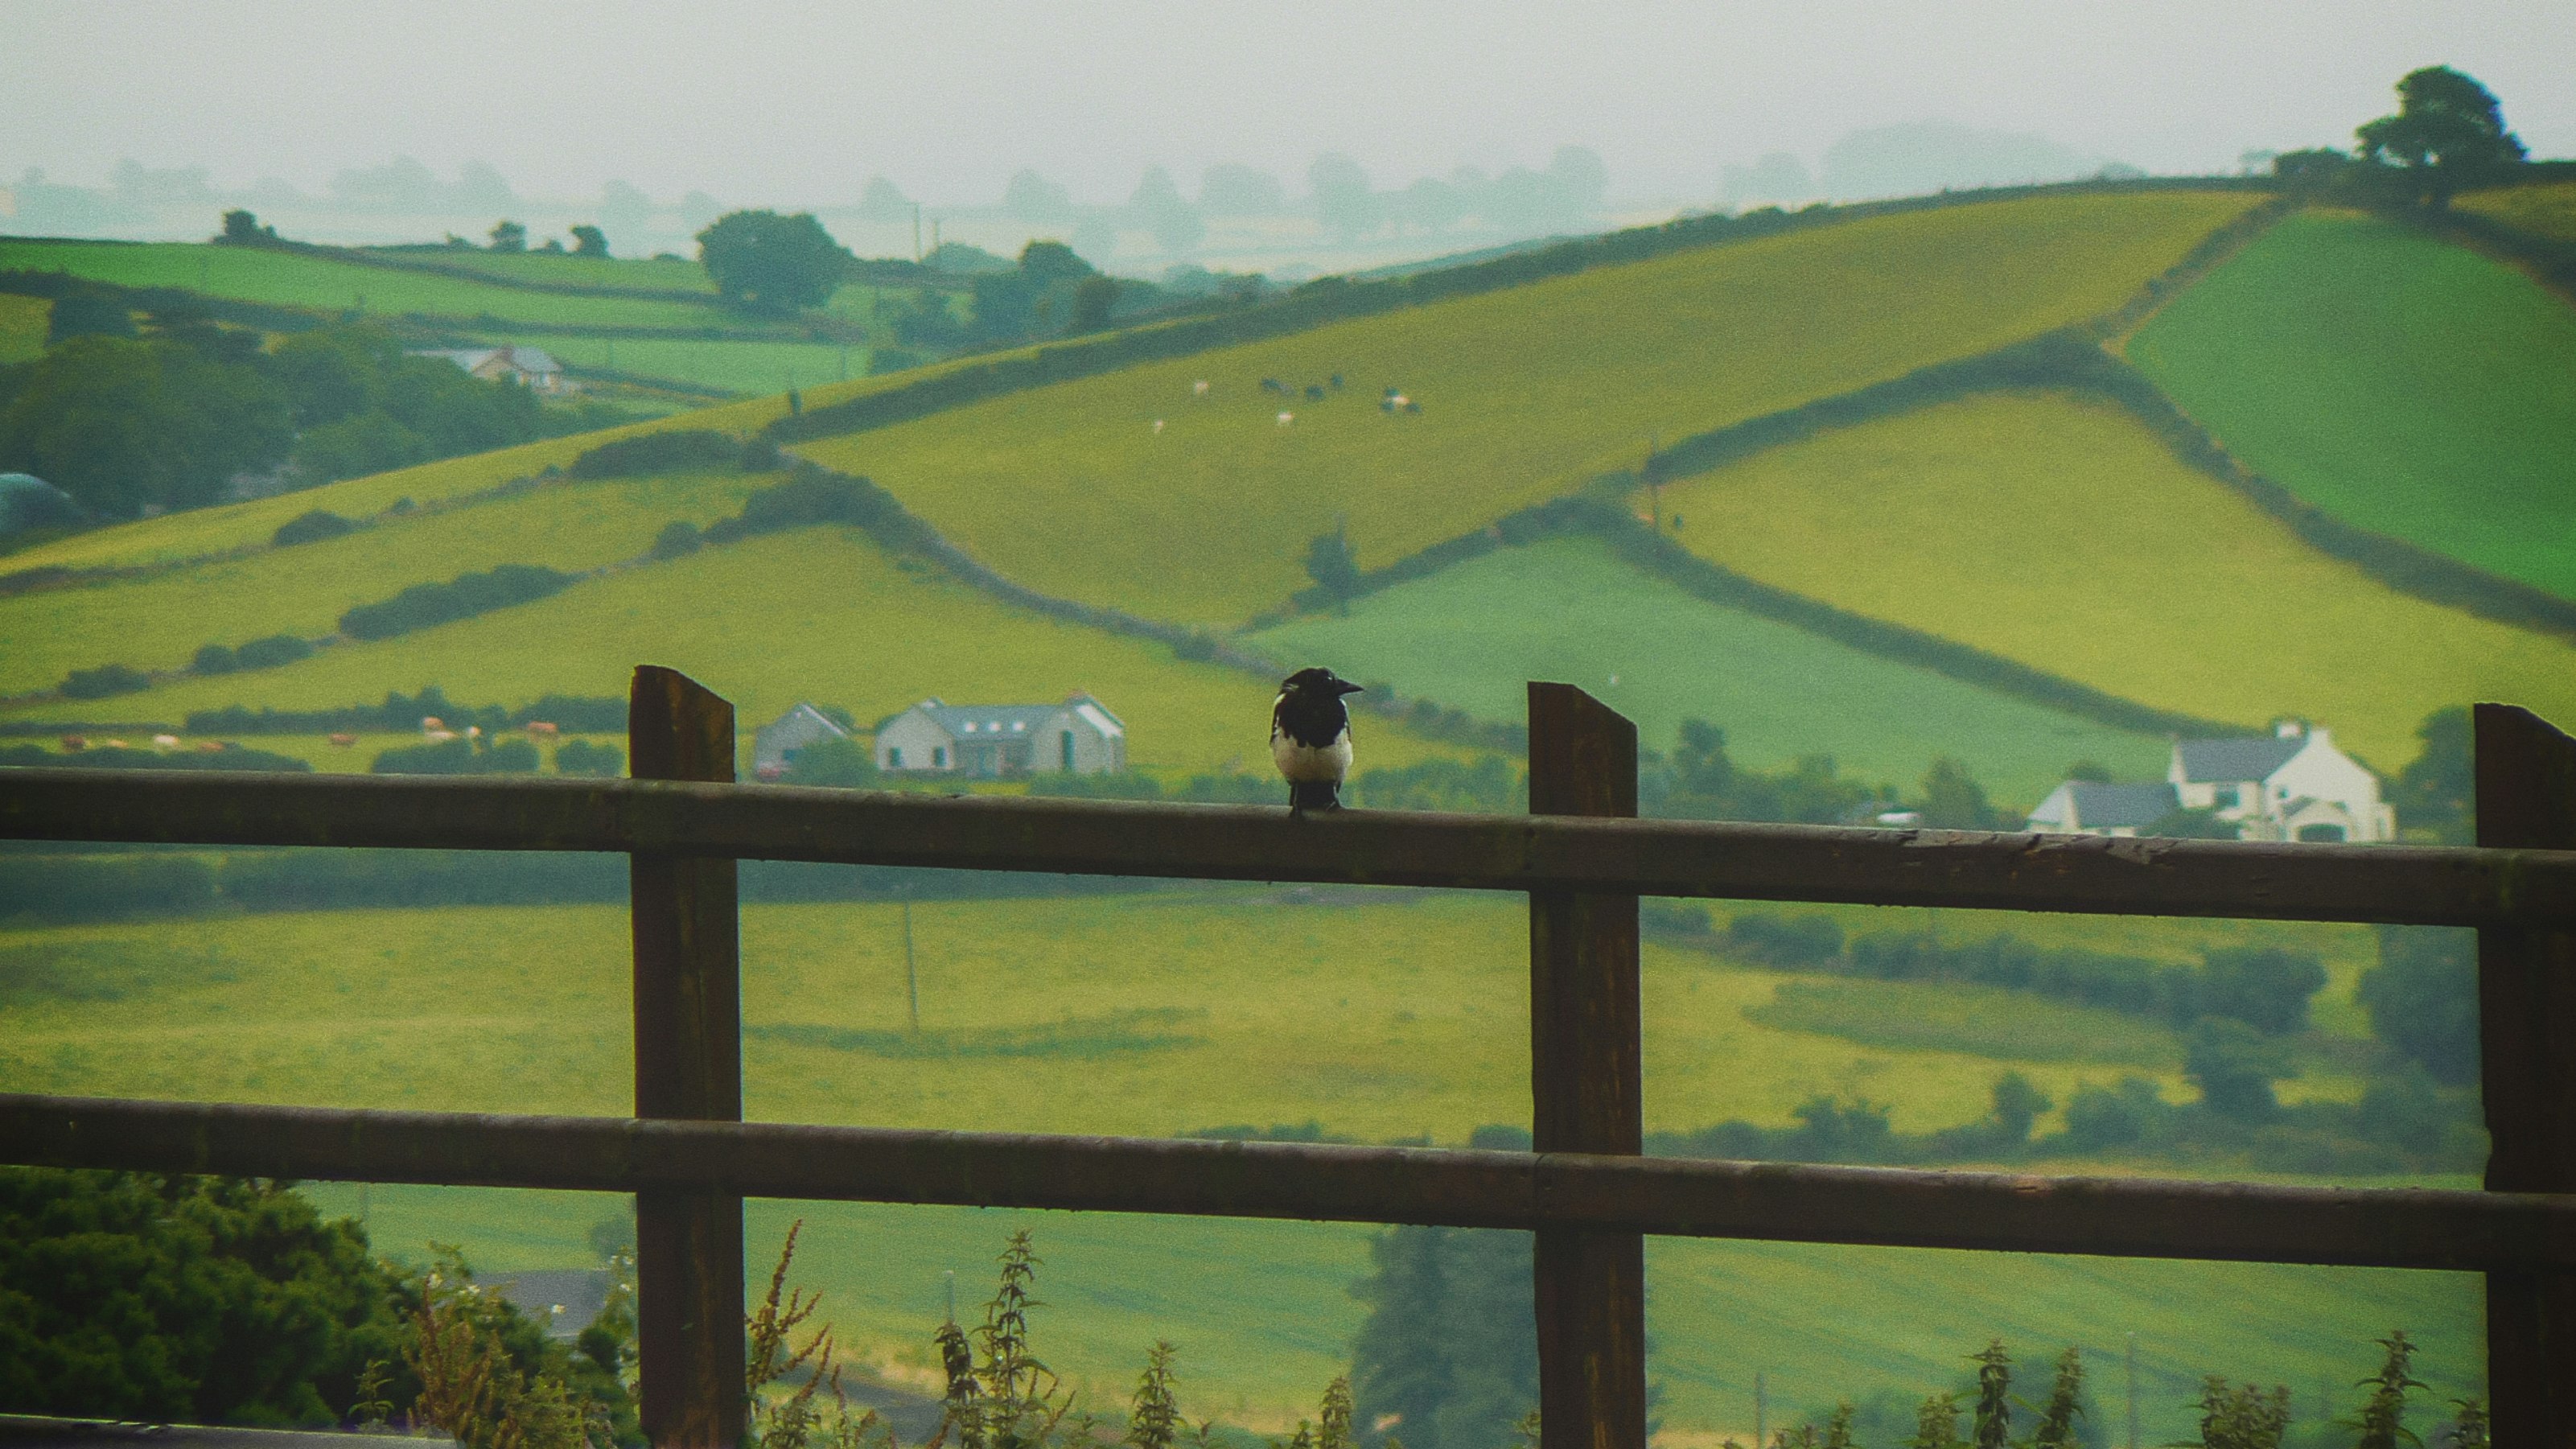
916	231
912	991
2133	1391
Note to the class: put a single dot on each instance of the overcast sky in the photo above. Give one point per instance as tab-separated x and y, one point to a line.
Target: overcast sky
799	103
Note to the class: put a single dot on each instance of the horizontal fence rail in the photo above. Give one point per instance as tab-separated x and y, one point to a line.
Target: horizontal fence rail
1781	1202
2397	885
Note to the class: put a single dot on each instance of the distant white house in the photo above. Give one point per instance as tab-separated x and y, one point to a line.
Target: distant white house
2292	785
533	368
773	742
1079	736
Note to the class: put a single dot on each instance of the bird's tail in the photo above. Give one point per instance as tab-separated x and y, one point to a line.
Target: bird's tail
1314	794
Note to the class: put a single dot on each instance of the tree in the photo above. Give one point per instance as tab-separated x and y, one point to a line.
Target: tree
589	241
764	262
1344	201
1093	296
2423	999
1450	1345
1330	564
2265	987
1953	800
509	236
2448	130
120	425
2234	1066
242	229
2438	789
86	314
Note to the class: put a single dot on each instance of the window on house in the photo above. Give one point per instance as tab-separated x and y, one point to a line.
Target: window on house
939	757
1067	740
894	757
2320	834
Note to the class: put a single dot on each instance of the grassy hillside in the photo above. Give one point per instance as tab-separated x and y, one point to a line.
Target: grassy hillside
23	321
1121	1026
2401	384
158	622
547	269
2546	210
741	367
2062	534
821	614
1524	393
1567	609
291	279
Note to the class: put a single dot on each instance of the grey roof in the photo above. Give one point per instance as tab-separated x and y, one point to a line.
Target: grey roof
984	721
2119	807
2225	762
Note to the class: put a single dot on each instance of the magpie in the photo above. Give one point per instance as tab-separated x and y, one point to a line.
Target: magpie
1310	737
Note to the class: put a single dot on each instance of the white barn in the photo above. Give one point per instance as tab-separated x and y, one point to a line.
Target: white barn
1079	736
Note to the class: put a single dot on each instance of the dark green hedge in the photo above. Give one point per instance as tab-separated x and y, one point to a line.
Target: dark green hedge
424	605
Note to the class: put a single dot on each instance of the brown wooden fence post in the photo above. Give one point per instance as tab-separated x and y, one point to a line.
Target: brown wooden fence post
2526	781
1586	1085
688	1064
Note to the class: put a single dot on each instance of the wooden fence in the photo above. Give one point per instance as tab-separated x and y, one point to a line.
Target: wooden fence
1583	860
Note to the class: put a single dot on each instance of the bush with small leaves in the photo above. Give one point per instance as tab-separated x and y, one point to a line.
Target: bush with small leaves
311	527
105	682
589	758
678	539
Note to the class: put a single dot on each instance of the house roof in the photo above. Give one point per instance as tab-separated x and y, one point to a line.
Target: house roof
533	359
525	359
1011	721
2224	762
806	716
2113	807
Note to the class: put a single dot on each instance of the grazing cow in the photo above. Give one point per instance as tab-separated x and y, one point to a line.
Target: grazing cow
1199	388
543	728
430	723
344	742
474	732
1286	418
440	737
1396	402
74	744
165	742
1158	427
213	747
118	745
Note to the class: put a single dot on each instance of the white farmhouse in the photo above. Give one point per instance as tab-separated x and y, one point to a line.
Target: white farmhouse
1079	736
533	368
2293	786
773	742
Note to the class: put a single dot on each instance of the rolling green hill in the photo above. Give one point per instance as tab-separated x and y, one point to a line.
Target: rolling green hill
23	321
1525	393
1566	609
1380	1016
2401	384
2062	534
2548	209
821	614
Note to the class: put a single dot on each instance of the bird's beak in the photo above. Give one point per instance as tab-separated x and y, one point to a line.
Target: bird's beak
1347	687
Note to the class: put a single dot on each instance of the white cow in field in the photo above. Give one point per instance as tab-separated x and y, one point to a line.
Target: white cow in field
165	742
1199	388
1158	427
1286	418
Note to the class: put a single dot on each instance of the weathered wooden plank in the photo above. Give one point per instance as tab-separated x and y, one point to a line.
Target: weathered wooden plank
1785	1202
2526	798
688	1066
2398	884
1586	1086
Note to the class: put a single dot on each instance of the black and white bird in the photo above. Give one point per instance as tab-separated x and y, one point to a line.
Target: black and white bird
1310	737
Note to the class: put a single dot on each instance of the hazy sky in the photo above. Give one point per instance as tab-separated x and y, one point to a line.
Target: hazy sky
801	102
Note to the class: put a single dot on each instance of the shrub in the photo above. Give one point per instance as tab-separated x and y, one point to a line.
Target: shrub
681	450
458	757
214	659
424	605
311	527
678	539
104	682
1785	941
584	757
69	888
272	651
2423	998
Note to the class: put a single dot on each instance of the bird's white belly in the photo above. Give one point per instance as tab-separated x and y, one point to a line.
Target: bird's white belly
1304	763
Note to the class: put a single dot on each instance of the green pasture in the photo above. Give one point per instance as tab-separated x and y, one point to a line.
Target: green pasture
1379	1015
158	621
2548	209
822	614
23	323
738	366
289	279
2061	533
1524	394
1567	609
2408	386
552	269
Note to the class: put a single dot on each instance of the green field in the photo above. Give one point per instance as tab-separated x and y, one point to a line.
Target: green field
2062	534
2548	209
23	321
2401	384
157	623
1380	1016
288	279
1567	609
1525	393
548	269
820	614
